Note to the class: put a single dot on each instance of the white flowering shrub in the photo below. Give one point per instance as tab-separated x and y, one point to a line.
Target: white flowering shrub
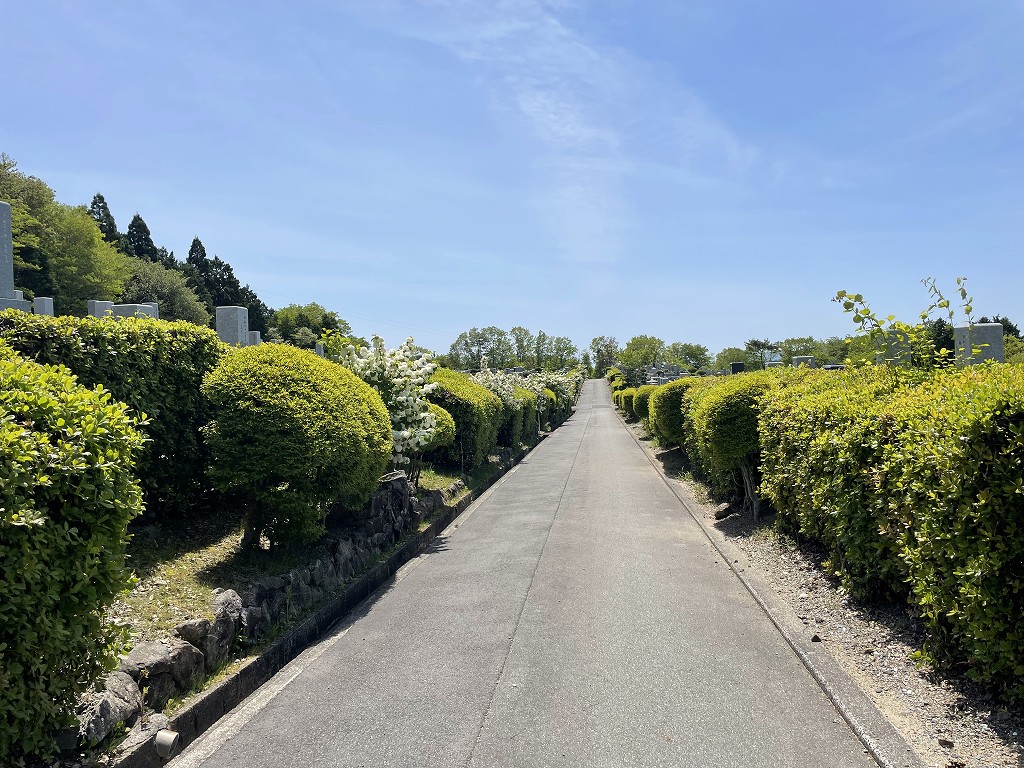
400	376
500	383
565	385
504	385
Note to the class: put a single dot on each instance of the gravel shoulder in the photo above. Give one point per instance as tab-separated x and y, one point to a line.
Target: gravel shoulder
949	721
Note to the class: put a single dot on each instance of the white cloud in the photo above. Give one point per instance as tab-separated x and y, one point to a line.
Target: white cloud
602	118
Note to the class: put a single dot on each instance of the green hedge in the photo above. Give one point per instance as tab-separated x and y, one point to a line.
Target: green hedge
641	402
519	423
954	487
915	488
665	412
626	397
721	430
156	367
616	379
444	429
822	440
478	417
549	413
293	434
67	492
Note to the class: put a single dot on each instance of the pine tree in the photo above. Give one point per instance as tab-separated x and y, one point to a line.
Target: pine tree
138	241
197	255
104	218
166	258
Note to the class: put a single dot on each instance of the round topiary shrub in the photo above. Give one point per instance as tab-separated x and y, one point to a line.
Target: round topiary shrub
664	410
67	492
626	398
641	401
292	435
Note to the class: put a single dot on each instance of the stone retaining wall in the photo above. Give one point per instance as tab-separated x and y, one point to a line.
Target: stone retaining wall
154	672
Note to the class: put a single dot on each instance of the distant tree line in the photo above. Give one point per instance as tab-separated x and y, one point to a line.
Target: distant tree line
643	352
77	253
506	349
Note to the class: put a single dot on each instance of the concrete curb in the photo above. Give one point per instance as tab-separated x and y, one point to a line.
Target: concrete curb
881	739
206	708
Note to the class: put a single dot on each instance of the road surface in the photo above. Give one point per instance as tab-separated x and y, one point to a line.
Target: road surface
574	616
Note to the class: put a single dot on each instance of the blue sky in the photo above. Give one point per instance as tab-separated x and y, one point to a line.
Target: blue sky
700	171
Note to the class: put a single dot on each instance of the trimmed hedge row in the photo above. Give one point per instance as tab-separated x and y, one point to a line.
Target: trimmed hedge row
720	430
67	492
916	488
522	426
154	366
550	411
641	402
293	434
822	439
913	482
626	397
616	379
478	416
665	410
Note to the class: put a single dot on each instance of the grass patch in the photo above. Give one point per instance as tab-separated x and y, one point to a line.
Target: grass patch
438	478
179	563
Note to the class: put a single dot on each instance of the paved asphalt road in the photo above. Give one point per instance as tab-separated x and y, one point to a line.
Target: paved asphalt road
575	616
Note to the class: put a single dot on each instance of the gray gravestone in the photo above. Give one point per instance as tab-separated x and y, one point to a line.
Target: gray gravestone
133	310
42	306
100	308
155	314
807	360
737	367
233	325
320	349
254	339
986	337
9	298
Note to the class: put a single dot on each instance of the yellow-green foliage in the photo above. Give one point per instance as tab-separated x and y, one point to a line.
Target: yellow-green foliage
444	428
954	487
664	408
822	439
724	418
641	401
67	492
293	434
626	401
550	409
157	368
527	417
478	416
616	379
1014	350
915	484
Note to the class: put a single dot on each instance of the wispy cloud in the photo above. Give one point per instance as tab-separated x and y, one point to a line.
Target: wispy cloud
582	102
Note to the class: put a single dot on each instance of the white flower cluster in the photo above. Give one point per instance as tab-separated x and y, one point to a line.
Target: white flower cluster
500	383
400	377
565	384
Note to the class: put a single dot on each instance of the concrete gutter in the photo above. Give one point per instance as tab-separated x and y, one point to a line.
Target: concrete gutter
881	739
207	707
